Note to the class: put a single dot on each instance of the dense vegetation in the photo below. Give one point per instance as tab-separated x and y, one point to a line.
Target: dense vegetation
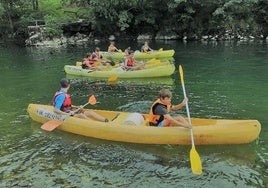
133	17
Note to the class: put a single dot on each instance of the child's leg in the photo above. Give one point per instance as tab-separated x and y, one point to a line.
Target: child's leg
181	120
92	114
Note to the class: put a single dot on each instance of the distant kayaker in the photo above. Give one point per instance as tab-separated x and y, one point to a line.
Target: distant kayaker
146	48
89	63
159	112
130	63
112	47
96	56
63	104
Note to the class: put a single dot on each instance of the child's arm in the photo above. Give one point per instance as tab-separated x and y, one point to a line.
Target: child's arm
179	106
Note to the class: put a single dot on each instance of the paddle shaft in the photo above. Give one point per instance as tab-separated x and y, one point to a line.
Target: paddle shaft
53	124
77	110
188	114
195	160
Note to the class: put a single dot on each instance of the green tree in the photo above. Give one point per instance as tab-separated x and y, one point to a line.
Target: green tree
133	17
35	4
236	16
261	16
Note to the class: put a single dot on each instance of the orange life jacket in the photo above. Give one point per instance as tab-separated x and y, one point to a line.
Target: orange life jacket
155	119
67	104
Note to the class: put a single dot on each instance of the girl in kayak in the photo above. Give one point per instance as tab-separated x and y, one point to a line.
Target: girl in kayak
146	48
112	47
88	62
130	63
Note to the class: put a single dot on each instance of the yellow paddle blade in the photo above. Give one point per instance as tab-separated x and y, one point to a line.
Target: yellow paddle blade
160	49
195	160
51	125
154	60
113	78
156	64
92	100
78	63
181	74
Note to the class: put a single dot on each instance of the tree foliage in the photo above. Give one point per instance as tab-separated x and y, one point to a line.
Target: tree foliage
133	17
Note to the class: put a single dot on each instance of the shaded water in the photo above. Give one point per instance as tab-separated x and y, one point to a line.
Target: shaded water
223	80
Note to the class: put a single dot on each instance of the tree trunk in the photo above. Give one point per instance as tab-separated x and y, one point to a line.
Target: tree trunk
35	4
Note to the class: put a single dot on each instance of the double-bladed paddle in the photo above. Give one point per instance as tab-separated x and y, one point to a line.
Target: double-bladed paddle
53	124
195	160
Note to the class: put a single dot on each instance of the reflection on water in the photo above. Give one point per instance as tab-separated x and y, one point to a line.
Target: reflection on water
137	81
222	81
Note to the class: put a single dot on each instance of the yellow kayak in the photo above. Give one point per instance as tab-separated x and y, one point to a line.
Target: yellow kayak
129	81
159	54
133	128
153	70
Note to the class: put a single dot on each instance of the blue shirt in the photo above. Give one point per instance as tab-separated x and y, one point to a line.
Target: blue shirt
59	100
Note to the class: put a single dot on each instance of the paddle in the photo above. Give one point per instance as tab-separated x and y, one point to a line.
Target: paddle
194	156
113	78
152	61
53	124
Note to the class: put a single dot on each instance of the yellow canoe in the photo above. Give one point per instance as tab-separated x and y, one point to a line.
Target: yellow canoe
159	54
161	69
167	80
122	127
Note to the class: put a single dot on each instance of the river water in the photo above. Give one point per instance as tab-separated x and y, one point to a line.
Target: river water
223	80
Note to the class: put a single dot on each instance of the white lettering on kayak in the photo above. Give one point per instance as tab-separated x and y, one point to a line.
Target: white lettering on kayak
49	114
75	69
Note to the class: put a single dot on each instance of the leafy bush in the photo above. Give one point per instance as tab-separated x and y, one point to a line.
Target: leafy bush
53	28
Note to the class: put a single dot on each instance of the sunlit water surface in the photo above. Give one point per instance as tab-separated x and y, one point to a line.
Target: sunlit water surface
223	80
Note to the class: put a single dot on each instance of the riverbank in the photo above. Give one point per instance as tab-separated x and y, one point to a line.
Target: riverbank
78	38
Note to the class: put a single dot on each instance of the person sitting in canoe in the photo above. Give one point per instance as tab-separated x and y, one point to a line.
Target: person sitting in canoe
63	104
89	63
112	47
96	56
146	48
159	112
130	63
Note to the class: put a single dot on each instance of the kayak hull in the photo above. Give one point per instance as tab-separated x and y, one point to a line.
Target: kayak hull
206	131
166	69
140	55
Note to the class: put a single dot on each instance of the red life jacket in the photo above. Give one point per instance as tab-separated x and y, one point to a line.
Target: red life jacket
90	62
67	103
155	119
130	62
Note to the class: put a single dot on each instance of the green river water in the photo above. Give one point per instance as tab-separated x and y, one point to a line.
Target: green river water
223	80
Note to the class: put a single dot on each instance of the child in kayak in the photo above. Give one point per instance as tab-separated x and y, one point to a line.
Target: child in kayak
63	105
130	63
159	112
112	47
146	48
